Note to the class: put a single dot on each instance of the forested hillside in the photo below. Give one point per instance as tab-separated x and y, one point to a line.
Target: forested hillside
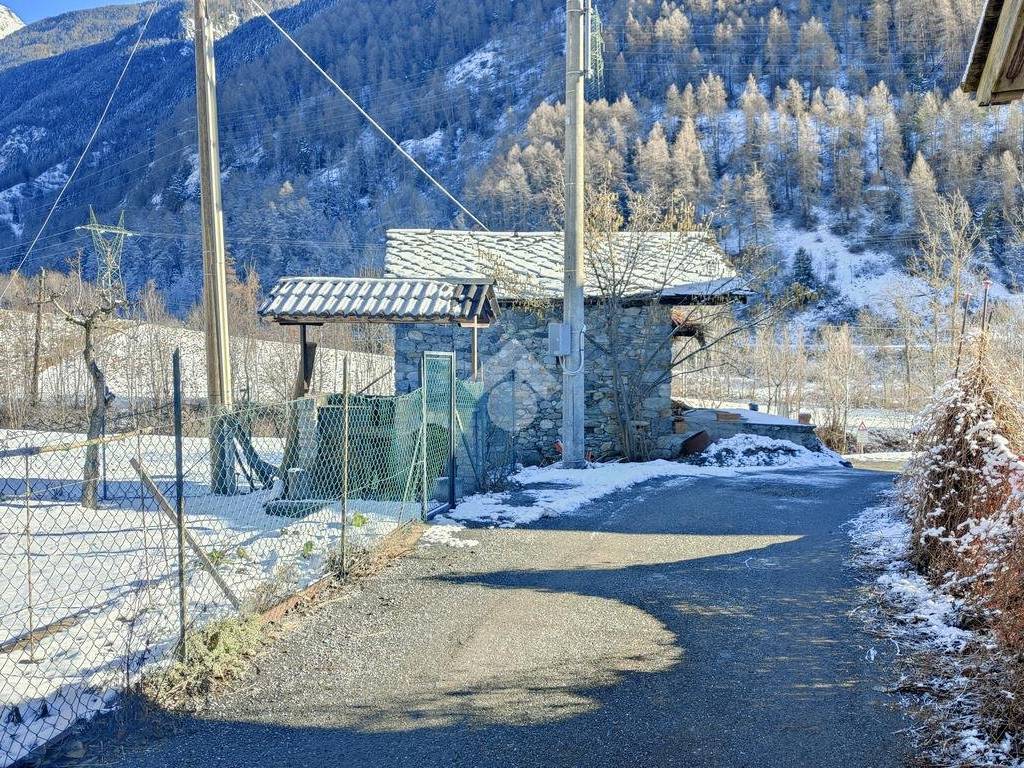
827	126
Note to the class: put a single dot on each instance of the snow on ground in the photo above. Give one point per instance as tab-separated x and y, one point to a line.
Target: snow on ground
863	276
137	360
429	147
476	66
757	451
921	619
443	535
866	279
99	587
540	492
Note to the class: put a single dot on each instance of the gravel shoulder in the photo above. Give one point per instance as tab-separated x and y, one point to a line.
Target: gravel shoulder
697	622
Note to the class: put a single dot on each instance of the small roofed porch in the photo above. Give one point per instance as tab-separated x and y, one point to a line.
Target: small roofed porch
308	302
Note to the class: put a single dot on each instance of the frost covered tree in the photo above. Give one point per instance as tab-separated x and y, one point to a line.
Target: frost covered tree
711	106
654	167
758	124
924	196
816	54
808	168
689	167
778	46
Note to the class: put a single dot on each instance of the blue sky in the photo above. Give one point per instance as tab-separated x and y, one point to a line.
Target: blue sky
33	10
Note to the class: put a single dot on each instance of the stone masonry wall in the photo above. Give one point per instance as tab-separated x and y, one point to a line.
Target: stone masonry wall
525	382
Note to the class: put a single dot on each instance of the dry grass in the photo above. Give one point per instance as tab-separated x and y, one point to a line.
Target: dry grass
214	656
965	493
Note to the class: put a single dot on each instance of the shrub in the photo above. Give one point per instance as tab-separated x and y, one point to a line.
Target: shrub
963	487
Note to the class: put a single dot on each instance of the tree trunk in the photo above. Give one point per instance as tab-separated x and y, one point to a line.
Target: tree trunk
97	416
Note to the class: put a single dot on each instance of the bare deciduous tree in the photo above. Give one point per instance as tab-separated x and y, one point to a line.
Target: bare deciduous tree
91	310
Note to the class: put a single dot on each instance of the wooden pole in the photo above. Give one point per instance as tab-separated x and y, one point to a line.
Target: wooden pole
218	360
184	538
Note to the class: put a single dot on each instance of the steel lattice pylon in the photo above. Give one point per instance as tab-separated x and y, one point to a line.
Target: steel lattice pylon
108	254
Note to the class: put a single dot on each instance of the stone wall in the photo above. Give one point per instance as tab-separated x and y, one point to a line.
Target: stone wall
525	381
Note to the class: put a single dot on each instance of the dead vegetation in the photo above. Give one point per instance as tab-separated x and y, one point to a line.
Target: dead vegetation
964	497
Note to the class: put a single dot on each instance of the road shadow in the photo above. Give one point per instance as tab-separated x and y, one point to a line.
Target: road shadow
681	623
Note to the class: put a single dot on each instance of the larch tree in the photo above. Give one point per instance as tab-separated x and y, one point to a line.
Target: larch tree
808	168
689	166
758	206
681	104
758	124
654	167
711	106
924	196
778	46
816	53
885	140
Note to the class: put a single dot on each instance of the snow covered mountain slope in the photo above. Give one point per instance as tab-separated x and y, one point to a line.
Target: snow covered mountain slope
9	21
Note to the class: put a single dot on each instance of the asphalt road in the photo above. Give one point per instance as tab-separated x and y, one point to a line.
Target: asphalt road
696	623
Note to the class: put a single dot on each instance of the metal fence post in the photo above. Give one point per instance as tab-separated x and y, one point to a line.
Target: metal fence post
453	443
179	502
28	562
103	452
346	388
423	436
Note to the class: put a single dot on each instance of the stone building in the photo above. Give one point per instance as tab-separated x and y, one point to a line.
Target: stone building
635	285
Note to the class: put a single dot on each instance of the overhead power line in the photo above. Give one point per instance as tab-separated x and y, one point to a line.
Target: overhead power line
88	145
377	126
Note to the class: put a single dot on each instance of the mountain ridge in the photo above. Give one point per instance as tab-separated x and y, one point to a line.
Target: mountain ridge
9	22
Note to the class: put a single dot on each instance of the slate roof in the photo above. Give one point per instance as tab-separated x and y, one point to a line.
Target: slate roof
654	261
392	300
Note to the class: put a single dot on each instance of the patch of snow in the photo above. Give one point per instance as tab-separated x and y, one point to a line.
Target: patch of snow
429	146
476	66
757	451
760	417
11	198
104	582
540	492
924	619
443	535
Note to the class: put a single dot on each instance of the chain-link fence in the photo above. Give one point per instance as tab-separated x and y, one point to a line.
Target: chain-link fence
99	570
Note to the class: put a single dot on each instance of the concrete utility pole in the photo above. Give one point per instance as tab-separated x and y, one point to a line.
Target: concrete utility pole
215	294
573	453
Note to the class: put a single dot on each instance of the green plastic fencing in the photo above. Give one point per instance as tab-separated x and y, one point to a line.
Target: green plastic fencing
379	448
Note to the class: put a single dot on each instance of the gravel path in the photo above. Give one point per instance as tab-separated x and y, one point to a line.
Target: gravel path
681	623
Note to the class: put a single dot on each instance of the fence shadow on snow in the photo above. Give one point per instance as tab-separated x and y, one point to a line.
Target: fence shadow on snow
272	497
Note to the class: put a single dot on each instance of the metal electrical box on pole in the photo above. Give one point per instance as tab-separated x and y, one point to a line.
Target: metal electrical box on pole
215	295
577	18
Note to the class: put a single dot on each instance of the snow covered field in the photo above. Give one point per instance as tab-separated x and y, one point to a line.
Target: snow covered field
98	588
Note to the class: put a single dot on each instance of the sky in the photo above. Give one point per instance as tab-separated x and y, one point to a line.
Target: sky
33	10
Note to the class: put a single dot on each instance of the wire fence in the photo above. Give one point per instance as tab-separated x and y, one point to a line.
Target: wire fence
114	549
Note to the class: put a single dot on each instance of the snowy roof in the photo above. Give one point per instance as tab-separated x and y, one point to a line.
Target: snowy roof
654	261
379	299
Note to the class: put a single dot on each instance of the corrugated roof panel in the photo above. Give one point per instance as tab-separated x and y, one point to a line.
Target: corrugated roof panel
384	299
